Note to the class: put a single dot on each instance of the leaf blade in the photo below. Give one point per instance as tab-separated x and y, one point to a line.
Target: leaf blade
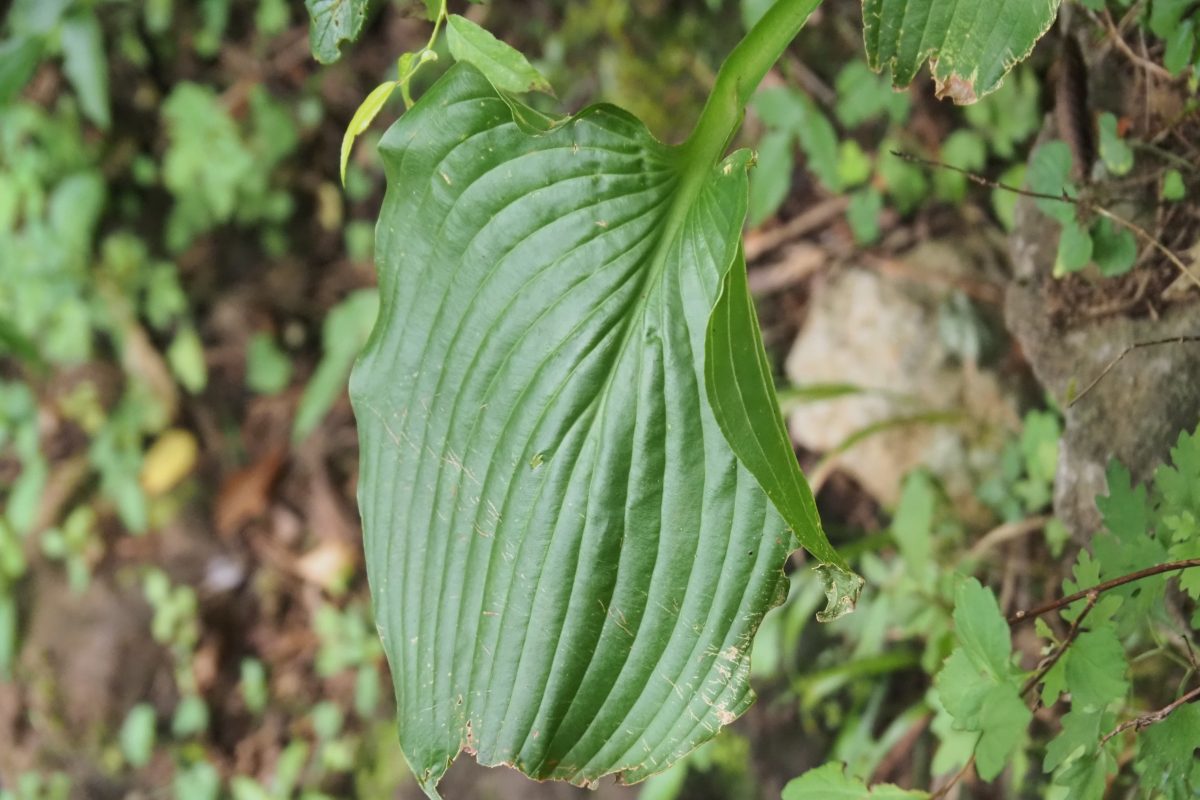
567	560
967	60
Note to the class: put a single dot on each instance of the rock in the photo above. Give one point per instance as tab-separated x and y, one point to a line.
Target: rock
1136	412
881	332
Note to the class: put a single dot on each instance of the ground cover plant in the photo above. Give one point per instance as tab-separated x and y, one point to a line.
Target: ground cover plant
188	214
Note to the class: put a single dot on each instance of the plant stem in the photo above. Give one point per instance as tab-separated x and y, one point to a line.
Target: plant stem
1033	613
1146	720
740	75
1049	663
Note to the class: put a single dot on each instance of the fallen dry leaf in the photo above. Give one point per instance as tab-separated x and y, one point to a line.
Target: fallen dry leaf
246	493
168	461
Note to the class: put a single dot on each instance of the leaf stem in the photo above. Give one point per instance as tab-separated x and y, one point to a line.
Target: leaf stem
740	75
1049	663
1062	602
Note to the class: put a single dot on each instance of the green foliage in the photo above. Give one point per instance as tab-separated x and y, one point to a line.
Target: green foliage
66	28
978	685
343	335
219	170
1082	243
829	782
138	735
268	368
981	690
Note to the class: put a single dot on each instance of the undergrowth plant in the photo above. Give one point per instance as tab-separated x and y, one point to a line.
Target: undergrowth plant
576	488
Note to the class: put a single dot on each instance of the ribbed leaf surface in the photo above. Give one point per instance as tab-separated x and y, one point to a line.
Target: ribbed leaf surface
566	558
971	44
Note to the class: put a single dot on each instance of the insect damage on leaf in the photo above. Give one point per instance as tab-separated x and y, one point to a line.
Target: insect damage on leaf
959	89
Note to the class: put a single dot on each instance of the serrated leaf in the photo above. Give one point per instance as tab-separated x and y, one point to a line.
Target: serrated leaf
1096	668
961	688
830	782
1005	721
333	22
567	559
1086	777
1054	682
1165	747
1080	735
503	65
1124	509
981	629
1179	482
971	44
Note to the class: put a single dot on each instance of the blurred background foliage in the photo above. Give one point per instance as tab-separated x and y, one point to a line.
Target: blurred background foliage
184	286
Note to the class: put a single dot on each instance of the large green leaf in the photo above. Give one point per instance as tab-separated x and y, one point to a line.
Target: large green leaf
971	44
568	560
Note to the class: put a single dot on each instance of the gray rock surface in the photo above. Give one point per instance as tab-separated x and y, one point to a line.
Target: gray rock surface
1136	412
881	332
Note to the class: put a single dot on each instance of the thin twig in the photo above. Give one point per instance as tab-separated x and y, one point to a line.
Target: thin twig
1063	602
1006	532
1116	219
1129	349
1119	40
1146	237
983	181
1062	648
958	776
1146	720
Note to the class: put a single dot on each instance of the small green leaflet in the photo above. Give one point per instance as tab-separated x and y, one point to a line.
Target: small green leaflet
506	67
978	685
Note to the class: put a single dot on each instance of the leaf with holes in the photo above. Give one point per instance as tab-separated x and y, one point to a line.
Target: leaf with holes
970	44
333	22
568	557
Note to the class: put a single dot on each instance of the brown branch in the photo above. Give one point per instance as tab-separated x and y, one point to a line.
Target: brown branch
1033	613
1049	663
1154	717
1116	219
1129	349
1118	39
945	790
